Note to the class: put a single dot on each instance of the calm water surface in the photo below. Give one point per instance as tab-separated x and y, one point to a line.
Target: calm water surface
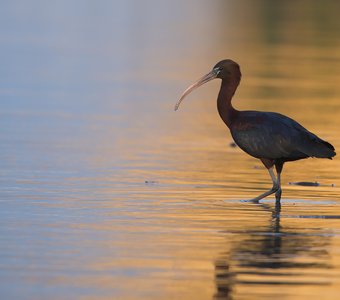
107	193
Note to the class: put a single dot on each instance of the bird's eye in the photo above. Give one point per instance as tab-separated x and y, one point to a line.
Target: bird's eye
218	70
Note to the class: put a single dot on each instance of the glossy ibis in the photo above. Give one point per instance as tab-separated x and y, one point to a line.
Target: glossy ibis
271	137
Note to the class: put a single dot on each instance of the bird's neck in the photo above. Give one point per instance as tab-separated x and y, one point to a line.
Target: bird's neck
225	109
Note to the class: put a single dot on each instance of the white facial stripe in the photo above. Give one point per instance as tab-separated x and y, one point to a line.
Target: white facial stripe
217	70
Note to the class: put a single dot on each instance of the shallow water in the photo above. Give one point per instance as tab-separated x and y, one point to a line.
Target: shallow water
107	193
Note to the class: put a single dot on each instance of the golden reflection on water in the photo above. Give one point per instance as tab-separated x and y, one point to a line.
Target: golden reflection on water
254	253
130	200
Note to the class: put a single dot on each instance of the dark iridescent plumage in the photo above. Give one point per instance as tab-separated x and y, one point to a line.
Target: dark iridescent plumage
274	136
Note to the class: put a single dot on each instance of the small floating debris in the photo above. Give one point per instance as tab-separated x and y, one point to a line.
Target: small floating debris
305	183
310	183
150	181
233	145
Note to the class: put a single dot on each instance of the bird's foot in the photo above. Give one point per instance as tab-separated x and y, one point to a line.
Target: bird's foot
278	194
274	189
251	200
278	202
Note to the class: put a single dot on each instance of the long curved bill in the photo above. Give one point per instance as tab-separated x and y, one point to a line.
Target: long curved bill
210	76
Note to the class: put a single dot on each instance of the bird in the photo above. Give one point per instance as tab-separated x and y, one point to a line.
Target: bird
270	137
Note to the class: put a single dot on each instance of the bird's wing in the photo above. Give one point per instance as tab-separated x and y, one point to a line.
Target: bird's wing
275	136
311	144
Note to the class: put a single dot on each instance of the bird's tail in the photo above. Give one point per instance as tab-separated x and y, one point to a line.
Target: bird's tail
328	150
323	150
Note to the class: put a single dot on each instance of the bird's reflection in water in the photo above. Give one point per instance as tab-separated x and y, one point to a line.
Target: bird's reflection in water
271	256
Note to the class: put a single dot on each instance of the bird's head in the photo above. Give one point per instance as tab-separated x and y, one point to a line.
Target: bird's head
225	69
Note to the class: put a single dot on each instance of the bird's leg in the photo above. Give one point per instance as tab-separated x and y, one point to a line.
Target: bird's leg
278	195
279	191
278	166
272	190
